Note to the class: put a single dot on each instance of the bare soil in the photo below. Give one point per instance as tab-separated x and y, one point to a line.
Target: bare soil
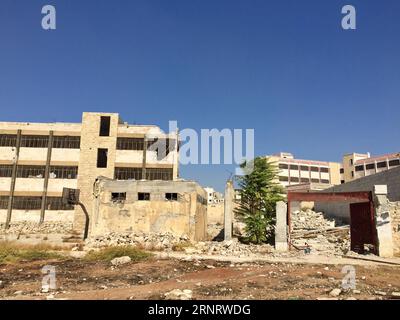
151	279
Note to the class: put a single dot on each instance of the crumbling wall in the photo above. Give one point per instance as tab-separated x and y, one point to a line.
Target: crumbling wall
395	217
186	215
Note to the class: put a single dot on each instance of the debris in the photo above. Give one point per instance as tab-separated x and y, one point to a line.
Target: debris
178	294
335	292
380	293
120	261
313	233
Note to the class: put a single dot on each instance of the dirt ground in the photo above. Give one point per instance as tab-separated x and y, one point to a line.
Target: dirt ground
151	279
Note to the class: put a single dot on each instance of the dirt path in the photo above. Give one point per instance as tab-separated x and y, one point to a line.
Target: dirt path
208	279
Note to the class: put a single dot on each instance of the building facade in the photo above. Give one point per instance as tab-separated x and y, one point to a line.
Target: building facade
358	165
37	160
297	171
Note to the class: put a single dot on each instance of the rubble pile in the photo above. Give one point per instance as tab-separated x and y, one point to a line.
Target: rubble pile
311	229
24	228
168	242
230	248
154	241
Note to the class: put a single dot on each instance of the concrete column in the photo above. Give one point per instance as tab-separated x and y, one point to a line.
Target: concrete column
383	222
13	180
46	177
228	210
281	241
144	159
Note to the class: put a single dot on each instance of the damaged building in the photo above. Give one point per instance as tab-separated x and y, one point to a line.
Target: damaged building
175	207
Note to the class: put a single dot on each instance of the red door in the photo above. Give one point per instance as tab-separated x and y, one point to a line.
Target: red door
361	226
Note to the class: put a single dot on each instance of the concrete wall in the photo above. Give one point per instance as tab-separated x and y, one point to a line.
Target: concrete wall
215	213
391	178
395	217
34	216
186	216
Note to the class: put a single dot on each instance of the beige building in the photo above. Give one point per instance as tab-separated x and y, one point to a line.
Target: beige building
177	207
37	160
358	165
297	171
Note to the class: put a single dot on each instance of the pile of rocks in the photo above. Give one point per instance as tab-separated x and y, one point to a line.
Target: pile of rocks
23	228
310	220
312	229
229	248
154	241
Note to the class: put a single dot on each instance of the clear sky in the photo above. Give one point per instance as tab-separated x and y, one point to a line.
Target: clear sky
284	68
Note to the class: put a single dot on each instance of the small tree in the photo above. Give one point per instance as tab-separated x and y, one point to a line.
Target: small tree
259	194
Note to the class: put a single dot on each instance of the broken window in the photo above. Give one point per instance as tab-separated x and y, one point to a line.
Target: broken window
130	143
370	166
6	171
315	180
144	196
8	140
304	168
128	174
66	142
326	170
324	181
314	169
360	168
281	178
102	158
159	174
341	170
294	167
283	166
305	180
381	164
294	179
171	196
393	163
118	196
105	126
34	141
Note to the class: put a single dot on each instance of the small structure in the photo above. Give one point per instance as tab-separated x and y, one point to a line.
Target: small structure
177	207
370	216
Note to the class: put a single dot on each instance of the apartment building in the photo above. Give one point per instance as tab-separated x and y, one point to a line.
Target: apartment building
358	165
37	160
297	171
213	197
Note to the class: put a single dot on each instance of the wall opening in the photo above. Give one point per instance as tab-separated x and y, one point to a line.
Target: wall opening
105	126
102	158
143	196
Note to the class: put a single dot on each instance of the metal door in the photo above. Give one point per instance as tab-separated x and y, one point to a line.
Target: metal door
362	226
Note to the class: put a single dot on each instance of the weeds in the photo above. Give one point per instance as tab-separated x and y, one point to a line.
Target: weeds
107	254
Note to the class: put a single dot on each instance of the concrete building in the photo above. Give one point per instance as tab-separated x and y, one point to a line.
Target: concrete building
297	171
38	159
177	207
358	165
213	197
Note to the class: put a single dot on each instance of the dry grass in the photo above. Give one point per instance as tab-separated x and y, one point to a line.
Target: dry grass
181	246
11	252
109	253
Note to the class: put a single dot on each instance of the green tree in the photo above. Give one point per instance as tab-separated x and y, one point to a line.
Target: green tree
259	194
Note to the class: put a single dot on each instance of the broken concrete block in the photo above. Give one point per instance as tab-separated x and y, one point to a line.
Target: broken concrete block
120	261
335	292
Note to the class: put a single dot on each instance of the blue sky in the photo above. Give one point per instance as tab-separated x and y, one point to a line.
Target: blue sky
285	68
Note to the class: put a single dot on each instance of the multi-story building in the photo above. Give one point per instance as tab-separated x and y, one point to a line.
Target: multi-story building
297	171
37	160
357	165
213	197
